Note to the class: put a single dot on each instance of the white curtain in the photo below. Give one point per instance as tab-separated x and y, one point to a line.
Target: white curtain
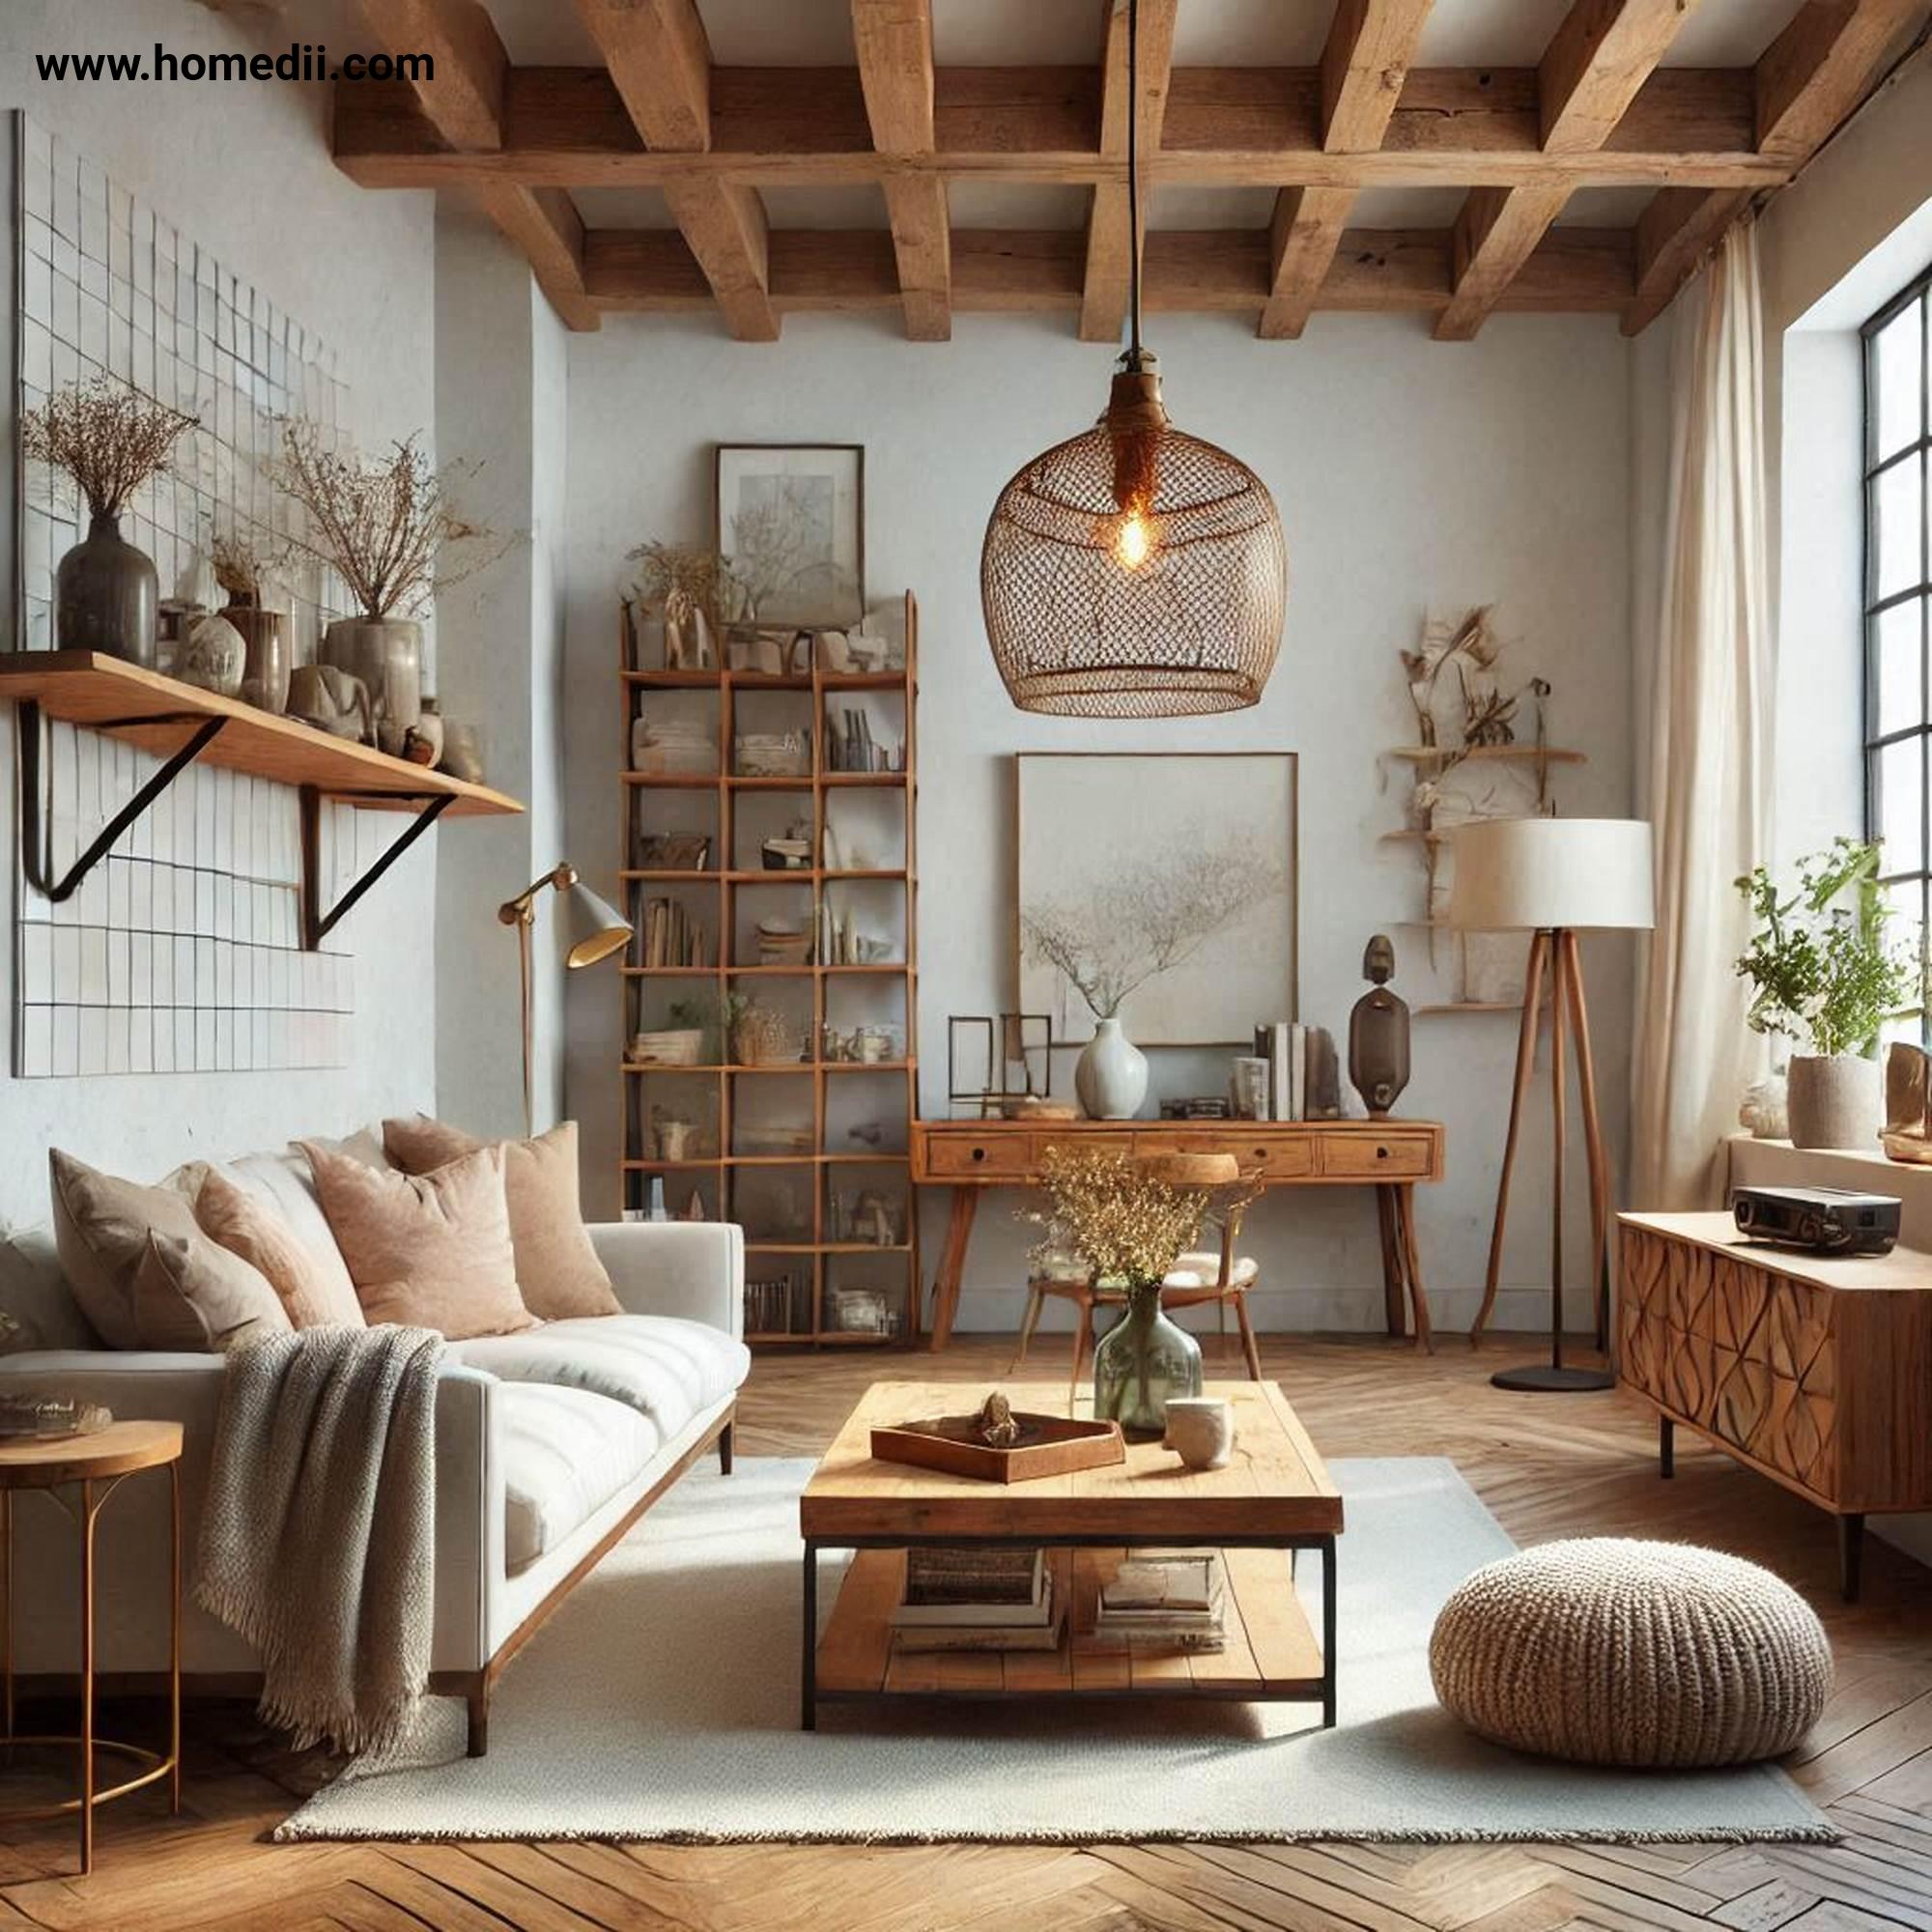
1706	788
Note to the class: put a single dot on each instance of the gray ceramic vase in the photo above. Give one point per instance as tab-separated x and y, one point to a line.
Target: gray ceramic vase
1833	1101
387	654
265	677
107	597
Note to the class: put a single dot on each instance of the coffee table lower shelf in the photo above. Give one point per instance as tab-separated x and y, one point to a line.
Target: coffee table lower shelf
1272	1654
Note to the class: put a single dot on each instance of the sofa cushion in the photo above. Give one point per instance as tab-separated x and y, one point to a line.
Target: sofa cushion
431	1251
248	1226
566	1453
33	1292
286	1183
195	1297
663	1367
557	1269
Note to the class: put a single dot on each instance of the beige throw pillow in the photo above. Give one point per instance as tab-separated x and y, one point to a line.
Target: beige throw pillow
103	1228
558	1269
310	1294
430	1250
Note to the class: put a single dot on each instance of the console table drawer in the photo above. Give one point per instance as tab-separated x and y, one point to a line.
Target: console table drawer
1373	1157
1008	1155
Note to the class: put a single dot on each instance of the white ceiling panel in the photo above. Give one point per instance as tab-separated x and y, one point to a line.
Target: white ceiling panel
777	33
1210	207
990	203
1252	33
622	208
847	205
1019	33
1604	207
1406	207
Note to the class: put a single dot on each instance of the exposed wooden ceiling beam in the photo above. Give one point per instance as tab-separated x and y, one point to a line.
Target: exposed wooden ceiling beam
1601	56
1104	305
1307	229
660	63
1364	63
464	104
1496	234
1246	127
894	39
1818	69
1679	228
1044	271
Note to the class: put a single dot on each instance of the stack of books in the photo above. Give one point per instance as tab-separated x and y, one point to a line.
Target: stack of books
977	1600
1166	1600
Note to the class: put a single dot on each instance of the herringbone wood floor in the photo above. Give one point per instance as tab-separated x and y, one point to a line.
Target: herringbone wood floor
1547	1466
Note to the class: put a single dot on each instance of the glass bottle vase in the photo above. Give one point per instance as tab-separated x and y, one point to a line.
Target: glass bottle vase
1140	1362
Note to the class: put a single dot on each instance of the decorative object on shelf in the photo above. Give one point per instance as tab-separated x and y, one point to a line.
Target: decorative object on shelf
463	752
110	440
213	657
1908	1104
669	744
1130	1226
683	581
674	852
198	585
673	1137
387	526
789	854
761	1036
591	930
668	936
1134	571
771	754
994	1424
668	1046
1554	877
1824	971
332	701
1111	1074
791	520
47	1417
258	606
1200	1430
422	743
1378	1033
1765	1112
1013	1054
862	1311
783	943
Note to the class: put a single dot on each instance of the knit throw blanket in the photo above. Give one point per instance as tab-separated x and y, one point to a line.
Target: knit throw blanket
319	1530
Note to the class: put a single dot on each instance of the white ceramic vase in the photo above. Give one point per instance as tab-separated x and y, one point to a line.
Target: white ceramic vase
1111	1074
1833	1100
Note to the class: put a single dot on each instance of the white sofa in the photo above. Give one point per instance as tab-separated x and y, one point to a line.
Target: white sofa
549	1445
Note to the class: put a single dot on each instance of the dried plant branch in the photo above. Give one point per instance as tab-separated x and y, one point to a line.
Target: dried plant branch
386	523
109	437
243	561
1123	1221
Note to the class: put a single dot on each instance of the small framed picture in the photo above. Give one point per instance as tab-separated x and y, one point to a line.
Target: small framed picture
791	518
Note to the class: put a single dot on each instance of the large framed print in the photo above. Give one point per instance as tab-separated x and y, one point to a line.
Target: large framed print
1165	883
791	520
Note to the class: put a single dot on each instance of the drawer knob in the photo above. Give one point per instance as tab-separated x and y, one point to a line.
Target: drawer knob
1260	1153
978	1153
1382	1153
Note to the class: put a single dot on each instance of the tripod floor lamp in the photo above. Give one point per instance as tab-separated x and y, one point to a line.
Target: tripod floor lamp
592	930
1553	878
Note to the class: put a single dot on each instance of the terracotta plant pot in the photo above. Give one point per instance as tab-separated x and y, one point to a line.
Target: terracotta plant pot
1833	1101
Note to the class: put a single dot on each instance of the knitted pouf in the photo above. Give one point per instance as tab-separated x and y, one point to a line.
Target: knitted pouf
1647	1655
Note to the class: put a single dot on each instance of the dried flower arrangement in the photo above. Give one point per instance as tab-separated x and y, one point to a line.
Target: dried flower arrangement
386	523
244	563
109	437
1120	1216
683	575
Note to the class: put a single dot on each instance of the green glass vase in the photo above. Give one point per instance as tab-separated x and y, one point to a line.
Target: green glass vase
1143	1360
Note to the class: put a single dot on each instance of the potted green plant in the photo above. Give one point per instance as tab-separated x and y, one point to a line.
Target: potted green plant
1824	971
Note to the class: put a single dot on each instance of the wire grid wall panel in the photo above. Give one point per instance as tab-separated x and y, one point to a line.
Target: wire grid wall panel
1898	611
181	952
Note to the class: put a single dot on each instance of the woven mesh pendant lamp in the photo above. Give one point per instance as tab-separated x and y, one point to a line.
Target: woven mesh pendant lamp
1134	571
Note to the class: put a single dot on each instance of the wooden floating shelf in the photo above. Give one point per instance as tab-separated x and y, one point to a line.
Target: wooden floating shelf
1442	754
141	707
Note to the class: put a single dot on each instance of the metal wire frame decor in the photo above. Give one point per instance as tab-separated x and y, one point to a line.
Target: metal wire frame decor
1134	571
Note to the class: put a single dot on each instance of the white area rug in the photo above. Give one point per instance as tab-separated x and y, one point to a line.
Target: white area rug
662	1702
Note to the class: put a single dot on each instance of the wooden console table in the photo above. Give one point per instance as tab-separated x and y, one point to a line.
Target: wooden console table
1390	1156
1813	1371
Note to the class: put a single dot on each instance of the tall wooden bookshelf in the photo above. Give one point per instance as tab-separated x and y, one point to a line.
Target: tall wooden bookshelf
791	1149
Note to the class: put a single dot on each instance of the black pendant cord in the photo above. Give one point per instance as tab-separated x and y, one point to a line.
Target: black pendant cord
1135	356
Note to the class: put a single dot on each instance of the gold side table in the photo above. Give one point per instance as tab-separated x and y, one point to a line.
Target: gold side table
97	1465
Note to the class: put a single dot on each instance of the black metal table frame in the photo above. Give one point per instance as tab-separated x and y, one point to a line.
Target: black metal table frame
810	1696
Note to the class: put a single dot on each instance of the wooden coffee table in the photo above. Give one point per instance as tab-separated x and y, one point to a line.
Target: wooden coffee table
1275	1497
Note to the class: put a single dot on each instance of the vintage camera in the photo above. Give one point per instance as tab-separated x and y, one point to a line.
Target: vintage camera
1824	1221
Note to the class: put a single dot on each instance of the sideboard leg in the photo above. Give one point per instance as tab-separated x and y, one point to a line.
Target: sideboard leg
952	1265
1851	1555
1666	1447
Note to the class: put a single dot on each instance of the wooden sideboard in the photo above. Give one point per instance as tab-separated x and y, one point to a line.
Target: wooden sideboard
1813	1371
1391	1156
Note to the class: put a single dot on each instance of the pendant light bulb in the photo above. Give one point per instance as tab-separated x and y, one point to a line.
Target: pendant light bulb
1133	539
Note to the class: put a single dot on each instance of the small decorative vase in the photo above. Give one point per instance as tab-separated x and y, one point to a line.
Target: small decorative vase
387	654
1111	1074
107	597
1142	1361
265	676
1833	1100
212	657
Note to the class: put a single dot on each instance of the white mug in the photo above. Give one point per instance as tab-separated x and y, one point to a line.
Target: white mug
1200	1430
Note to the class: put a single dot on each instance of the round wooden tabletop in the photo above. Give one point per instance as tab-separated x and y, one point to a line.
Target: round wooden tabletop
38	1462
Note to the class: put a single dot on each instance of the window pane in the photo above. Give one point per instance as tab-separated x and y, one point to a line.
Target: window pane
1900	806
1898	377
1897	665
1898	530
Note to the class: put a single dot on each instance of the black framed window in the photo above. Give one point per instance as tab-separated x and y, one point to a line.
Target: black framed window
1898	607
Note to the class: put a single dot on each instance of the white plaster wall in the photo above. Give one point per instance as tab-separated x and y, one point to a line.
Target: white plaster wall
1409	473
251	180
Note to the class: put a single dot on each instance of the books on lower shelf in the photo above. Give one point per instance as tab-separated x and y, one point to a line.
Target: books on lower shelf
977	1600
1166	1600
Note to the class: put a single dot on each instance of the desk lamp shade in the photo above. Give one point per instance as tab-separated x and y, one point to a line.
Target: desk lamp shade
1551	874
591	929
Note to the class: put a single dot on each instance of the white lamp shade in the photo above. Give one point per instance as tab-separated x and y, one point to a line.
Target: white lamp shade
592	928
1539	873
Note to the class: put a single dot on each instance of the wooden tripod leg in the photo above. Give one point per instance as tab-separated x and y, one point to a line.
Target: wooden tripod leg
1525	1062
1560	998
1593	1142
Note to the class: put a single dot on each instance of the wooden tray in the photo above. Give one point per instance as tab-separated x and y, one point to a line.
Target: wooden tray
1049	1446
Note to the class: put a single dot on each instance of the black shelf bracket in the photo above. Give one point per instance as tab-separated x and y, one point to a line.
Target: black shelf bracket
317	924
36	837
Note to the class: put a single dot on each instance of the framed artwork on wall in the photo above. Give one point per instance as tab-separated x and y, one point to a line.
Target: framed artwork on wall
792	517
1164	881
